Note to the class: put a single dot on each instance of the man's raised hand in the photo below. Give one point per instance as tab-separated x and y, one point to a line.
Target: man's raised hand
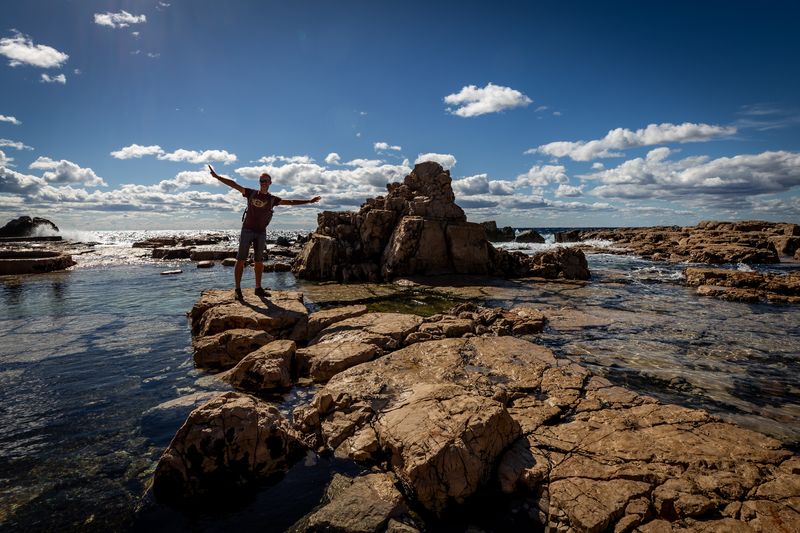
214	174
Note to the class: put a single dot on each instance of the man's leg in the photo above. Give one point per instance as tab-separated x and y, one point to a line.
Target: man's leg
259	268
245	239
238	270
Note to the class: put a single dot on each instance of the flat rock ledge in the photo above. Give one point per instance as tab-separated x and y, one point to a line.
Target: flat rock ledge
735	285
435	419
710	242
14	262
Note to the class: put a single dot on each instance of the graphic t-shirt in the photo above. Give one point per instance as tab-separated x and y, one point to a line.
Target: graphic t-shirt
259	209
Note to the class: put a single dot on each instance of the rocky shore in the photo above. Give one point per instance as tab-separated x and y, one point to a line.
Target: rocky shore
438	409
22	247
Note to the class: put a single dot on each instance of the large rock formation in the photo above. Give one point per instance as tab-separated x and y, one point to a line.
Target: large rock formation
24	261
740	286
711	242
416	229
495	234
26	227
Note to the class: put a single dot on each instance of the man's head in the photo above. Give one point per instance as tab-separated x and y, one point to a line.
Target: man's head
264	181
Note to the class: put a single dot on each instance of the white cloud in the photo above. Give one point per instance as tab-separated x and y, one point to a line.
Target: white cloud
722	180
21	51
623	138
8	143
192	156
364	163
136	151
541	175
122	19
447	161
569	190
332	158
61	78
5	161
556	113
10	119
383	146
541	108
77	72
290	159
185	179
473	101
480	184
598	166
64	171
153	55
13	182
162	6
135	34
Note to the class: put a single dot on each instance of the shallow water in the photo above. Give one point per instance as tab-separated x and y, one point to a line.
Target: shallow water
96	375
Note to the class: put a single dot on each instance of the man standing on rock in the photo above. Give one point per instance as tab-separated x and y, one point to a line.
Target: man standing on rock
254	225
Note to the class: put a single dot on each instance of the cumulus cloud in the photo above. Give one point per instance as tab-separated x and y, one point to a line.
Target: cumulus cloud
122	19
187	178
718	180
364	163
13	182
60	78
384	146
8	143
10	119
5	161
623	138
541	175
447	161
472	101
332	158
569	190
64	171
192	156
481	184
21	50
136	151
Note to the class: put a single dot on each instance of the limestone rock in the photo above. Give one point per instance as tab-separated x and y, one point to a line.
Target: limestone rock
205	264
33	261
320	320
225	349
265	369
230	441
364	504
171	253
386	331
567	263
212	255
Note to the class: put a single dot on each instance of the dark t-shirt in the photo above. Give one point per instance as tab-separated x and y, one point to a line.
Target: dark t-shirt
259	209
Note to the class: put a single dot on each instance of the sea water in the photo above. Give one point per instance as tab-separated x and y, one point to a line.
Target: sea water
96	376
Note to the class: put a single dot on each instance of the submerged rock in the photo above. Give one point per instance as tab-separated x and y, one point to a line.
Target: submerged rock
530	235
735	285
231	441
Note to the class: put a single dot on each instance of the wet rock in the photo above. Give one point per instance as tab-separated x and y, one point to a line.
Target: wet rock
33	261
171	253
226	349
530	235
566	263
734	285
212	255
265	369
156	242
218	310
229	262
277	267
495	234
362	504
232	440
568	236
205	264
26	226
172	272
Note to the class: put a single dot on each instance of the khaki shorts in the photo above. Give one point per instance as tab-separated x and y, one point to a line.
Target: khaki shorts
259	241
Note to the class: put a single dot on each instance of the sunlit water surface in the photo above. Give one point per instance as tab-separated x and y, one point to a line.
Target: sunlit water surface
96	375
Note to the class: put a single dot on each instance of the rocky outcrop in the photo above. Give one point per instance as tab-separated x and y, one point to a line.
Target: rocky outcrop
265	369
416	229
231	441
364	504
735	285
495	234
26	226
218	310
227	348
530	235
14	262
710	242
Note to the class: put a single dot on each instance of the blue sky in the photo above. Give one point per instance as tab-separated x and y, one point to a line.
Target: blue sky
547	114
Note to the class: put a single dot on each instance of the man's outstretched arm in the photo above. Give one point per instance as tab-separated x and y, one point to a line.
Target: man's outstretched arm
227	181
299	202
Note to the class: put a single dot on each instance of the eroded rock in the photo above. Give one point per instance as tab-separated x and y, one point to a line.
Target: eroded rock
230	441
265	369
736	285
225	349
